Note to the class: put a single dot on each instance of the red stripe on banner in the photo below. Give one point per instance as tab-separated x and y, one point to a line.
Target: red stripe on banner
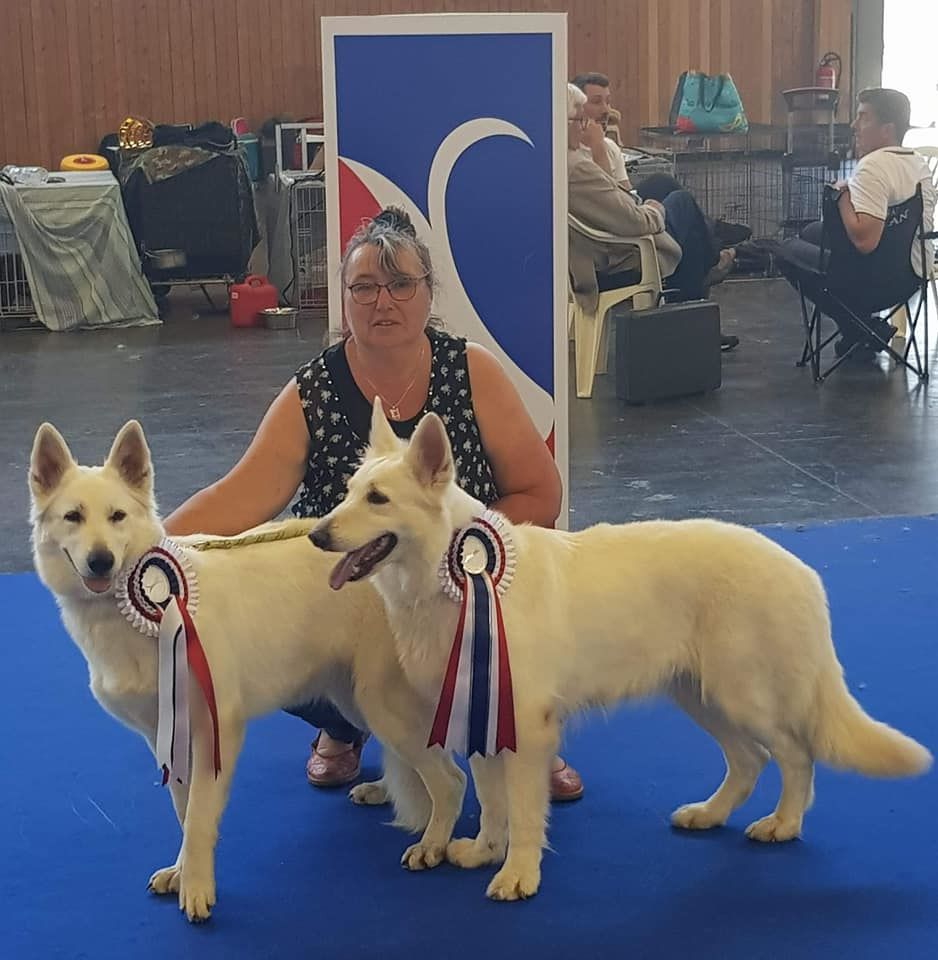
505	737
448	691
203	674
355	204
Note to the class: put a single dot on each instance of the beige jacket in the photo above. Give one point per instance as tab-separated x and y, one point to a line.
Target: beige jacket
599	202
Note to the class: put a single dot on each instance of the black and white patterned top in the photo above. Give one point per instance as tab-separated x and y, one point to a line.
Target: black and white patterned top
338	417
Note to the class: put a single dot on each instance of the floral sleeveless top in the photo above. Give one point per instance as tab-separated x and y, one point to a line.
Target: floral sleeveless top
338	417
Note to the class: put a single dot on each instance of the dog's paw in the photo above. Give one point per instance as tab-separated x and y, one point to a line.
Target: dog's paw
512	884
423	856
470	853
196	897
165	880
696	816
372	794
772	829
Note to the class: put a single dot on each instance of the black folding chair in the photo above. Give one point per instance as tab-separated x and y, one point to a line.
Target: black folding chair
851	287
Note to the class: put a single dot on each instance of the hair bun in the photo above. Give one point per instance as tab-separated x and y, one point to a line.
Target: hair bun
395	219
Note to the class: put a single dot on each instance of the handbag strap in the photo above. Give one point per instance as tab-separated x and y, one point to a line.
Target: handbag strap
721	81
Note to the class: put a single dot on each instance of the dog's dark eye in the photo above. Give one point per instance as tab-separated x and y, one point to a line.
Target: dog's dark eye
376	497
73	516
117	516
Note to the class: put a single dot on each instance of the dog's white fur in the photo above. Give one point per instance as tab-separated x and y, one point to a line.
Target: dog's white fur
273	633
727	623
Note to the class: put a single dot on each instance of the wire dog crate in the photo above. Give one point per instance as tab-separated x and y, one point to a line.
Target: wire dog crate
308	234
16	304
819	154
734	177
770	179
300	151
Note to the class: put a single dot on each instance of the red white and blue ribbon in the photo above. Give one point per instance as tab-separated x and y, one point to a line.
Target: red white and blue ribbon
476	712
159	597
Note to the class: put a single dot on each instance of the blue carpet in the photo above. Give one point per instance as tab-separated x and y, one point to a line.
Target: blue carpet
303	873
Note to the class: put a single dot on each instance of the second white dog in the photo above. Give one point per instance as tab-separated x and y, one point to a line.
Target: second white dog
718	617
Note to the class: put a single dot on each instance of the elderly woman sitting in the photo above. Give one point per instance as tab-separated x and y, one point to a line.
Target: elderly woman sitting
686	249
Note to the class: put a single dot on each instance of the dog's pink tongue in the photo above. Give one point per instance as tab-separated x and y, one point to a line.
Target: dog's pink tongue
97	584
342	571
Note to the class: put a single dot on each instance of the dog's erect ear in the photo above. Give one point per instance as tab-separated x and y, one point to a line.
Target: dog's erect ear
130	457
429	454
382	441
49	462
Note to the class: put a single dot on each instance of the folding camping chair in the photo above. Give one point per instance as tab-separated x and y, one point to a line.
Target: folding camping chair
851	287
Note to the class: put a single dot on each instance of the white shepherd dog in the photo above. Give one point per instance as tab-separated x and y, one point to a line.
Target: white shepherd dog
728	624
274	636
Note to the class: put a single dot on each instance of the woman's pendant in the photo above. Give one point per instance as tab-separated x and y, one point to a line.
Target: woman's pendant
394	412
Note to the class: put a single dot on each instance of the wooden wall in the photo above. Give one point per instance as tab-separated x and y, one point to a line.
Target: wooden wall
71	70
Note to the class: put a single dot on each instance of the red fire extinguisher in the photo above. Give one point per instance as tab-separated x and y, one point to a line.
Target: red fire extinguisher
828	71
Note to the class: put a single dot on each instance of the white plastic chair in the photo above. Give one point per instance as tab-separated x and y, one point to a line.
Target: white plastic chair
590	330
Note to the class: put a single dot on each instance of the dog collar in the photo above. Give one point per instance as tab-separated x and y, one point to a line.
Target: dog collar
159	596
475	712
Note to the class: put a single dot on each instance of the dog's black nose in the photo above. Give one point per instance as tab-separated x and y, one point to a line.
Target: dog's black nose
101	562
321	538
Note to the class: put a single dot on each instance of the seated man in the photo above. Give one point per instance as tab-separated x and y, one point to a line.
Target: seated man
886	175
604	152
685	250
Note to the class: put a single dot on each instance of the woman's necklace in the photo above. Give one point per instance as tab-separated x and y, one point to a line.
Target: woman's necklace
394	409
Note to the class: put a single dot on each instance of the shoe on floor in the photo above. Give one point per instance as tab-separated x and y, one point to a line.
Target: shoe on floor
869	347
842	345
863	352
334	771
730	234
565	784
885	330
728	342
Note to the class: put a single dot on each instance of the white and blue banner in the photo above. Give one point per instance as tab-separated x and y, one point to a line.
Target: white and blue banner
461	120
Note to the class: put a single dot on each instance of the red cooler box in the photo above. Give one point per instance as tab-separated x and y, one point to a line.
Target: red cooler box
247	299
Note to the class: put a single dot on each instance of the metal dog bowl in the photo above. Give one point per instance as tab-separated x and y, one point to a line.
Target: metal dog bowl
280	318
167	259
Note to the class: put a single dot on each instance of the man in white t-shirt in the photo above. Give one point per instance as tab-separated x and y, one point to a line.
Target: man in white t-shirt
604	152
887	174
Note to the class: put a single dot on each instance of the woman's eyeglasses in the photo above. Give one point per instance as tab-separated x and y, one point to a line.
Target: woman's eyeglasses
365	294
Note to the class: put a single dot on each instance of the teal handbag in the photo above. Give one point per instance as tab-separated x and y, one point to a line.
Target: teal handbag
705	104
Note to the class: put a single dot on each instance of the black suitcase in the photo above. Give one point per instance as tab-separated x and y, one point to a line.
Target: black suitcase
668	351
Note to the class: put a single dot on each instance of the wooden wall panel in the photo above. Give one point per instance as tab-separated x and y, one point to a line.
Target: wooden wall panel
70	70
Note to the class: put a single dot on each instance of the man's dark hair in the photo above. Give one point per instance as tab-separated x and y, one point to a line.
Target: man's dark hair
890	106
596	79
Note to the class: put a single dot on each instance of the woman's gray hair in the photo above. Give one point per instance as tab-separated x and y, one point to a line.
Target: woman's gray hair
391	232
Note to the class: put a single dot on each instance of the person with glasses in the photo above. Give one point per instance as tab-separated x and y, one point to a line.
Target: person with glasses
316	430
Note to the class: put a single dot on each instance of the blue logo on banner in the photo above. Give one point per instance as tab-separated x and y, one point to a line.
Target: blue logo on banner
398	100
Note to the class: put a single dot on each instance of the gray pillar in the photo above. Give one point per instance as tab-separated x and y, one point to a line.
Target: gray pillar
867	44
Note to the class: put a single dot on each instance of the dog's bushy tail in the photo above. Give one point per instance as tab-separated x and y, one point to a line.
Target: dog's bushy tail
847	738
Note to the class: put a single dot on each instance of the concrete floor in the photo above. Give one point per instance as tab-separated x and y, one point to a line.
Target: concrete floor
770	446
